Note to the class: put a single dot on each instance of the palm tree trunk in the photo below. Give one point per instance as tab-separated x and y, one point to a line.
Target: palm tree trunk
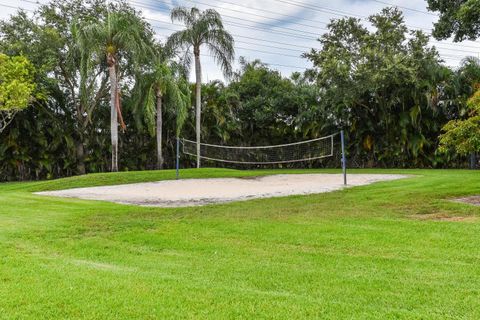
198	96
79	142
159	130
113	116
80	153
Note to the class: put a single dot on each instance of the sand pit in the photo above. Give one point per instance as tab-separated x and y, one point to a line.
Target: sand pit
192	192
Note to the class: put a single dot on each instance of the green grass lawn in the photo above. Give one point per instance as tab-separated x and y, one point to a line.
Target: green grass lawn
384	251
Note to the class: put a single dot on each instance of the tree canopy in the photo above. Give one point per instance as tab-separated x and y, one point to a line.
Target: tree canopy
16	86
463	136
459	18
382	86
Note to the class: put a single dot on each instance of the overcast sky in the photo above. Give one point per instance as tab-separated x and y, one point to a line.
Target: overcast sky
279	31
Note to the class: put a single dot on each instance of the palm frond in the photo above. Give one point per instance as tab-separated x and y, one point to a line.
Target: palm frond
183	102
211	18
150	111
185	15
221	45
180	40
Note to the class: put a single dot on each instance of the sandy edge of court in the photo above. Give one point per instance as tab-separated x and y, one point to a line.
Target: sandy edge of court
195	192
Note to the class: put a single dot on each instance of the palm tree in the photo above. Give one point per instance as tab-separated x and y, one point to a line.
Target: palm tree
202	28
123	35
161	83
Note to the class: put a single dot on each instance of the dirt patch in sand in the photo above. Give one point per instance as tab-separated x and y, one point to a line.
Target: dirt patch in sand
192	192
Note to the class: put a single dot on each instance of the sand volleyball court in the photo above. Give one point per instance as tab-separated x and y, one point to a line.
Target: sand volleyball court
192	192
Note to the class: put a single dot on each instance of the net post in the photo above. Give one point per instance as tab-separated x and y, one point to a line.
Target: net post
177	160
344	158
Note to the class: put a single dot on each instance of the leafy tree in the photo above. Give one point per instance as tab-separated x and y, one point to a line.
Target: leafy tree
161	83
460	134
16	87
202	28
463	136
460	18
382	88
122	35
270	109
47	40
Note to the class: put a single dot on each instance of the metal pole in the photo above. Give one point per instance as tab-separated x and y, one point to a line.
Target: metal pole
344	158
177	162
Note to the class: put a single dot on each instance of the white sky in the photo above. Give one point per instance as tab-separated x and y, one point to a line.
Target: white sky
291	26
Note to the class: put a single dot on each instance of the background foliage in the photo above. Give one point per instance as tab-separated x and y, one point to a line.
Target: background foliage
385	86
